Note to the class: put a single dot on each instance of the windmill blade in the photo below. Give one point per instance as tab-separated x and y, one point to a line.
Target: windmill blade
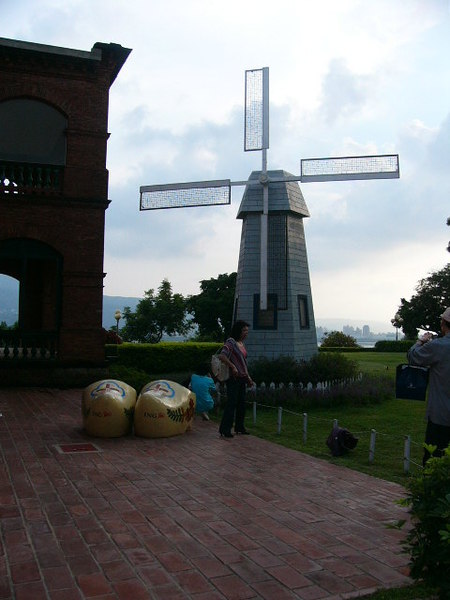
343	168
256	137
256	121
181	195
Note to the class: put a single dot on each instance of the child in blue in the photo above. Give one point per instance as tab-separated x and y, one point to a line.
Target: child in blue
202	385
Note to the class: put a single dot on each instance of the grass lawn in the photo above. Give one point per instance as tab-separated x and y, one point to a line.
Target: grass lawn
379	362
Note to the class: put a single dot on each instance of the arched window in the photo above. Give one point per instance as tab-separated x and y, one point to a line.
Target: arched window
32	132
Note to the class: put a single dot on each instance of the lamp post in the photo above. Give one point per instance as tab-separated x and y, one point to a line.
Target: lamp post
117	316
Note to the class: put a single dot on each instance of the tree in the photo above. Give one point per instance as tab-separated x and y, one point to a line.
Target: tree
4	325
156	315
212	309
422	312
337	339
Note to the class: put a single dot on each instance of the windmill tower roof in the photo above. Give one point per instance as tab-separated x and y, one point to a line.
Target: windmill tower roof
283	196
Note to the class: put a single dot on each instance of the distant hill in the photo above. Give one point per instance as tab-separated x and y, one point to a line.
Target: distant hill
9	300
9	290
113	303
9	293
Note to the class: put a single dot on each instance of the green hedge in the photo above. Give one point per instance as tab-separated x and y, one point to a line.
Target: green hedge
164	357
380	346
345	349
393	346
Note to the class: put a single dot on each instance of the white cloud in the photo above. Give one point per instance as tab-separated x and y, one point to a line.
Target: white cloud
346	78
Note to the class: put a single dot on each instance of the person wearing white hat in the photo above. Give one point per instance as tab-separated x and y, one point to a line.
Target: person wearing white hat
435	353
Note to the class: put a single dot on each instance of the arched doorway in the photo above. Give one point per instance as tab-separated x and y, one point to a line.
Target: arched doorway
9	301
38	268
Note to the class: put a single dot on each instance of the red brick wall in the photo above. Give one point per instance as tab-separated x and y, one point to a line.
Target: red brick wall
71	223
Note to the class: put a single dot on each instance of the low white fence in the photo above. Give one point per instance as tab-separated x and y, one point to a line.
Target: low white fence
321	386
407	442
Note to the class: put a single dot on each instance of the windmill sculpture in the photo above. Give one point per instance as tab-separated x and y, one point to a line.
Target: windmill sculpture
273	290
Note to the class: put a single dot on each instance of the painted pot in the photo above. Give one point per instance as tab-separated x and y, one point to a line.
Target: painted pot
163	409
108	407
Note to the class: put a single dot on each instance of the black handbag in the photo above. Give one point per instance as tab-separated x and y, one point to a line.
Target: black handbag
411	382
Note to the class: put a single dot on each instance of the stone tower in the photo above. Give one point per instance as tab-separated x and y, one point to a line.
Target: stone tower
287	327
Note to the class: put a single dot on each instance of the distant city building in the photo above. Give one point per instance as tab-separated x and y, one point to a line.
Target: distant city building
363	336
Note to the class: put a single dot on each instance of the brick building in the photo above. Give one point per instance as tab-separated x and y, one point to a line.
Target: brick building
53	198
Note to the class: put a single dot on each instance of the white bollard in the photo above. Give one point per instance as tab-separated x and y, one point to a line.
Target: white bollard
407	454
373	435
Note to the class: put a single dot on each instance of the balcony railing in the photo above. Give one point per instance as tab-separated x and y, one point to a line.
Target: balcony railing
29	178
28	346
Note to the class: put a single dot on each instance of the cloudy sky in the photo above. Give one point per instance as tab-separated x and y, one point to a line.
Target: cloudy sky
346	78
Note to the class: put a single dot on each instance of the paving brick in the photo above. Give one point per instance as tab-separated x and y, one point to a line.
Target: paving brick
289	577
131	589
174	561
19	553
138	556
25	571
264	558
71	594
164	592
118	570
5	588
155	575
330	582
312	592
192	582
269	590
94	584
233	588
210	566
30	591
249	572
82	565
157	523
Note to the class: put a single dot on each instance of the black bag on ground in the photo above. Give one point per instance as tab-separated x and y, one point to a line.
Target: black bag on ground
340	441
411	382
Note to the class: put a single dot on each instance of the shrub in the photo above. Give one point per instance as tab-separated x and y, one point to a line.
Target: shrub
320	368
337	339
111	337
283	369
428	542
327	367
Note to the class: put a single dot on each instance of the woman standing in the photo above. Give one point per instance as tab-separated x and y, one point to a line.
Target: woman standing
234	355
